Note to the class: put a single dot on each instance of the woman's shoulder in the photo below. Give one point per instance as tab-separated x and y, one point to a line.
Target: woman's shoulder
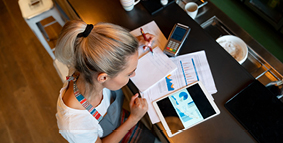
70	100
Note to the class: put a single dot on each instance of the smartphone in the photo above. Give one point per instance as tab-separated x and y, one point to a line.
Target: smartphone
178	35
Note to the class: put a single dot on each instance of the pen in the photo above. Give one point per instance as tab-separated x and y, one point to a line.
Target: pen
150	49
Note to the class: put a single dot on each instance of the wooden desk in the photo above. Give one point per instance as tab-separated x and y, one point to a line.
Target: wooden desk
228	75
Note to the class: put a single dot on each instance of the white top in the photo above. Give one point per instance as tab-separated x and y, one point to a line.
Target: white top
79	125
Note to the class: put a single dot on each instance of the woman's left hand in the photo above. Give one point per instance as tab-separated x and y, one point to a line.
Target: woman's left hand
138	107
142	41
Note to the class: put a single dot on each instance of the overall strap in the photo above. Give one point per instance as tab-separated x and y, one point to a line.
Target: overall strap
83	100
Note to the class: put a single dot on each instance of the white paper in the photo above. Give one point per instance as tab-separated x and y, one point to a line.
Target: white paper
200	71
190	67
151	69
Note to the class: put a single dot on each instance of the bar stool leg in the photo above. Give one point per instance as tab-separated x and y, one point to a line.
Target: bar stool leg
39	35
39	25
56	15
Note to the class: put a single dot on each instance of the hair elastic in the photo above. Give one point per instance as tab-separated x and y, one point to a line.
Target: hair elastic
88	29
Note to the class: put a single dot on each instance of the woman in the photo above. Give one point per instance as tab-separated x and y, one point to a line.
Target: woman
104	57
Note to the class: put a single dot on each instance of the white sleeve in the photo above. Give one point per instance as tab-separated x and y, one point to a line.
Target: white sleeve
79	136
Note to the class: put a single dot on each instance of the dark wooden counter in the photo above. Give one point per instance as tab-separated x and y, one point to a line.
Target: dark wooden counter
228	75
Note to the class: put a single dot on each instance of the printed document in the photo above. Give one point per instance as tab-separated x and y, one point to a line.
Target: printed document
152	68
190	68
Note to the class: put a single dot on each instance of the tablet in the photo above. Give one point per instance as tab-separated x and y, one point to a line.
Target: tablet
185	108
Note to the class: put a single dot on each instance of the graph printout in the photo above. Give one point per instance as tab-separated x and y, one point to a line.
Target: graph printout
190	68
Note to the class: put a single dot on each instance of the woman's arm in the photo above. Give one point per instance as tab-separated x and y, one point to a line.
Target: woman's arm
138	107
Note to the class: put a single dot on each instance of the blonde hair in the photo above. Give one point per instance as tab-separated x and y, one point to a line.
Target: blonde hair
105	49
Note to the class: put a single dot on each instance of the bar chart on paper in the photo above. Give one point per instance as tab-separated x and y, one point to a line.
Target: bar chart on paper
189	71
195	67
169	83
186	74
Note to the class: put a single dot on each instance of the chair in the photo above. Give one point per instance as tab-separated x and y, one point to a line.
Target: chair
34	11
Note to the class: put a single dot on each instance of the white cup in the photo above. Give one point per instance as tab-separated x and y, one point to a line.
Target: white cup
164	2
192	9
128	5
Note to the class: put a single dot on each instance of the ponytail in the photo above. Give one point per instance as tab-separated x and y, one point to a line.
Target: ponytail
105	49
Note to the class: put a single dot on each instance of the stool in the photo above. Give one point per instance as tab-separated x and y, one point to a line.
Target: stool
34	11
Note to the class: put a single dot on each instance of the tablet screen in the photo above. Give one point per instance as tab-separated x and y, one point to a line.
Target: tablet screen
185	108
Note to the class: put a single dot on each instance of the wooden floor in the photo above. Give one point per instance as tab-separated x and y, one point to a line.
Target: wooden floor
29	84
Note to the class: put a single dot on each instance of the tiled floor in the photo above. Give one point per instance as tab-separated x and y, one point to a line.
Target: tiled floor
260	30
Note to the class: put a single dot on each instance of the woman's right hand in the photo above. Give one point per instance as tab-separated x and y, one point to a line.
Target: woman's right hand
142	41
138	107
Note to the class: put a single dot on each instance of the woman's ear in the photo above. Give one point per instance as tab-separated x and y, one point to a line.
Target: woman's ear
102	77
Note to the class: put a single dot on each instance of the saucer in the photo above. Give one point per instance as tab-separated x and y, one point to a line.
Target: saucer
235	46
